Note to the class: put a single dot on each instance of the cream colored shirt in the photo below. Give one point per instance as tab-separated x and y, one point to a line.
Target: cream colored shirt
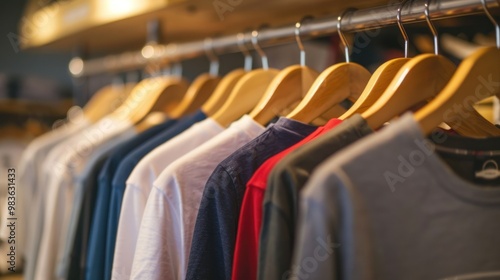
139	185
166	231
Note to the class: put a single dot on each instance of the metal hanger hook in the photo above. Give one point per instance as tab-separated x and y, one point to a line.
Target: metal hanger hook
262	54
431	27
212	57
493	20
341	34
167	70
299	41
401	27
177	69
244	51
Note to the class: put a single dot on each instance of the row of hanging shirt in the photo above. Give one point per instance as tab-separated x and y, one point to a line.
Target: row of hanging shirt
214	193
20	122
12	144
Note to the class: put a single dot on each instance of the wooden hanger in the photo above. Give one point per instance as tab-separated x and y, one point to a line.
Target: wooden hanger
228	82
248	91
150	94
473	123
418	81
378	82
466	87
381	78
245	95
335	84
165	104
152	119
288	87
102	102
222	92
201	88
197	94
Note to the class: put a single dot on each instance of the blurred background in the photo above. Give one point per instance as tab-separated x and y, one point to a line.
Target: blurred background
37	88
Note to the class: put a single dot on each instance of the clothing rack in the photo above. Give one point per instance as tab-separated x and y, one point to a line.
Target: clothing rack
356	21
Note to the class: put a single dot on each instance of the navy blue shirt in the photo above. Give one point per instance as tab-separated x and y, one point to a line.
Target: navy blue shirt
217	222
123	171
98	229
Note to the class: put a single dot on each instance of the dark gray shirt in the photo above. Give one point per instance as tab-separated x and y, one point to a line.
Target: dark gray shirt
286	180
388	207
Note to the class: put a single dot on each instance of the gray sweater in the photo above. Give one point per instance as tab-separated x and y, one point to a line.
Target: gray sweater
388	207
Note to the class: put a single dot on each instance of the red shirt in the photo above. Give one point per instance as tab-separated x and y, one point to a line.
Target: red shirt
247	239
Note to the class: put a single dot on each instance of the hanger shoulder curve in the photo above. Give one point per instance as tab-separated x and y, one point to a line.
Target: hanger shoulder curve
197	93
171	96
222	91
102	102
475	125
152	119
167	97
379	81
419	80
149	95
466	87
333	85
245	95
289	86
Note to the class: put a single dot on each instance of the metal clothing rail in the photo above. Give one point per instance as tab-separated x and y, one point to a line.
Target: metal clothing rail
359	20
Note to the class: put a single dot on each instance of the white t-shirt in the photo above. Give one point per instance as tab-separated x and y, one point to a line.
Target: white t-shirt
166	231
80	187
30	189
72	156
140	182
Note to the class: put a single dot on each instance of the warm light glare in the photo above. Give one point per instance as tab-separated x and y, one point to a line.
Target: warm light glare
148	51
76	66
112	8
39	27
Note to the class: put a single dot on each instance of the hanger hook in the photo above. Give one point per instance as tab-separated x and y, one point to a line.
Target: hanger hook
177	69
244	51
431	26
166	71
401	27
262	54
493	20
299	41
214	60
341	34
